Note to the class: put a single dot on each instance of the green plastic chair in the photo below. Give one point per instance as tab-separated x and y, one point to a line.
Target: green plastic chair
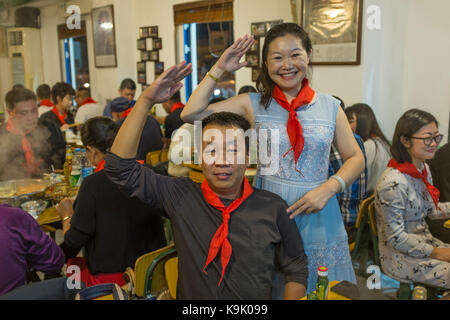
155	279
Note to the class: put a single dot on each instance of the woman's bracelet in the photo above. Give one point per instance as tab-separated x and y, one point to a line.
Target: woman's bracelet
341	182
212	77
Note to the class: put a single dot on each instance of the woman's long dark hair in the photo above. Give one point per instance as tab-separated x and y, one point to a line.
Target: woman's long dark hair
99	132
366	123
408	124
265	84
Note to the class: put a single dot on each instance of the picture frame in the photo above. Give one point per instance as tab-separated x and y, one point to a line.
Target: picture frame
255	74
141	67
157	43
255	46
145	55
153	31
142	77
103	29
159	68
142	44
334	30
143	32
252	59
258	29
153	55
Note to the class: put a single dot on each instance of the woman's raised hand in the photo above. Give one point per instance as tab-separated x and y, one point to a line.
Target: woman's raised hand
167	83
229	61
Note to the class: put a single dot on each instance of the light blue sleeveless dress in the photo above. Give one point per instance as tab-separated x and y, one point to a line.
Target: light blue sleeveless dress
323	233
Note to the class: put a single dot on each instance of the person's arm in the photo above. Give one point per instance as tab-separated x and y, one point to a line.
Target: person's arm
197	107
294	291
344	140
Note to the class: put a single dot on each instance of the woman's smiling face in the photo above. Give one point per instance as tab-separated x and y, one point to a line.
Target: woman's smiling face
287	63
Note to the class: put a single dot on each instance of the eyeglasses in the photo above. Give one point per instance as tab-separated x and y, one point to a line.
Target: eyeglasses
429	140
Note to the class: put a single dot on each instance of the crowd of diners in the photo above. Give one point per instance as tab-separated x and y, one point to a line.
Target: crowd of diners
234	239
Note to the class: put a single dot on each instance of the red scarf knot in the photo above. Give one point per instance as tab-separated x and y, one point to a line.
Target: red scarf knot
220	238
293	126
46	103
62	118
411	170
176	106
126	113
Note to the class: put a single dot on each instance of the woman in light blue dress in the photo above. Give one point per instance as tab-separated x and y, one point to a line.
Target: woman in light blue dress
307	122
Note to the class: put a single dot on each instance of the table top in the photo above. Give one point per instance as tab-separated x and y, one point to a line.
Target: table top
48	216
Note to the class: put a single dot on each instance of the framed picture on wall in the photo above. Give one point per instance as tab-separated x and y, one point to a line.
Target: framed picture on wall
104	37
141	67
143	32
145	55
252	59
142	44
157	43
154	55
334	30
258	29
142	77
159	68
153	31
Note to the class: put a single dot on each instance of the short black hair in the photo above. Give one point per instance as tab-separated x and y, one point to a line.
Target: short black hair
176	97
408	124
228	119
246	89
99	132
127	84
61	89
83	92
43	91
341	101
16	95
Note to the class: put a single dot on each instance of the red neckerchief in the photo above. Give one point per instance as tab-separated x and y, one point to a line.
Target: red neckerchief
101	165
411	170
46	103
126	113
60	117
294	128
31	165
176	106
88	100
220	239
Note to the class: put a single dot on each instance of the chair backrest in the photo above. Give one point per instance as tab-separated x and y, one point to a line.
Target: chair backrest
171	270
141	266
363	210
158	156
373	219
155	279
196	176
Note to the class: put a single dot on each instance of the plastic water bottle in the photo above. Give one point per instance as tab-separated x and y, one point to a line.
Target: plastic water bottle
76	168
86	167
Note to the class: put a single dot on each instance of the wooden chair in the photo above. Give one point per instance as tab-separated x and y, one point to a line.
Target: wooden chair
196	176
136	278
171	270
155	157
155	278
359	249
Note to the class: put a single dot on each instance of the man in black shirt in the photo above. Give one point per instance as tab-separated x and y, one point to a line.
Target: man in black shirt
230	238
173	121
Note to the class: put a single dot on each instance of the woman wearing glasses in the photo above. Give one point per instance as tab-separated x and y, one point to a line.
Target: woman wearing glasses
404	197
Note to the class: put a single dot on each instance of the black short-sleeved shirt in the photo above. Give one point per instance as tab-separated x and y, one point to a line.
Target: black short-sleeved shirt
151	138
262	236
114	229
57	139
173	122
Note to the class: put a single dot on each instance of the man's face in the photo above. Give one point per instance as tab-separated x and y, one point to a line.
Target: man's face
66	102
127	93
79	99
224	159
25	115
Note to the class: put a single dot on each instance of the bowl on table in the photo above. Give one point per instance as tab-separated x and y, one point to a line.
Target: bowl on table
34	207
